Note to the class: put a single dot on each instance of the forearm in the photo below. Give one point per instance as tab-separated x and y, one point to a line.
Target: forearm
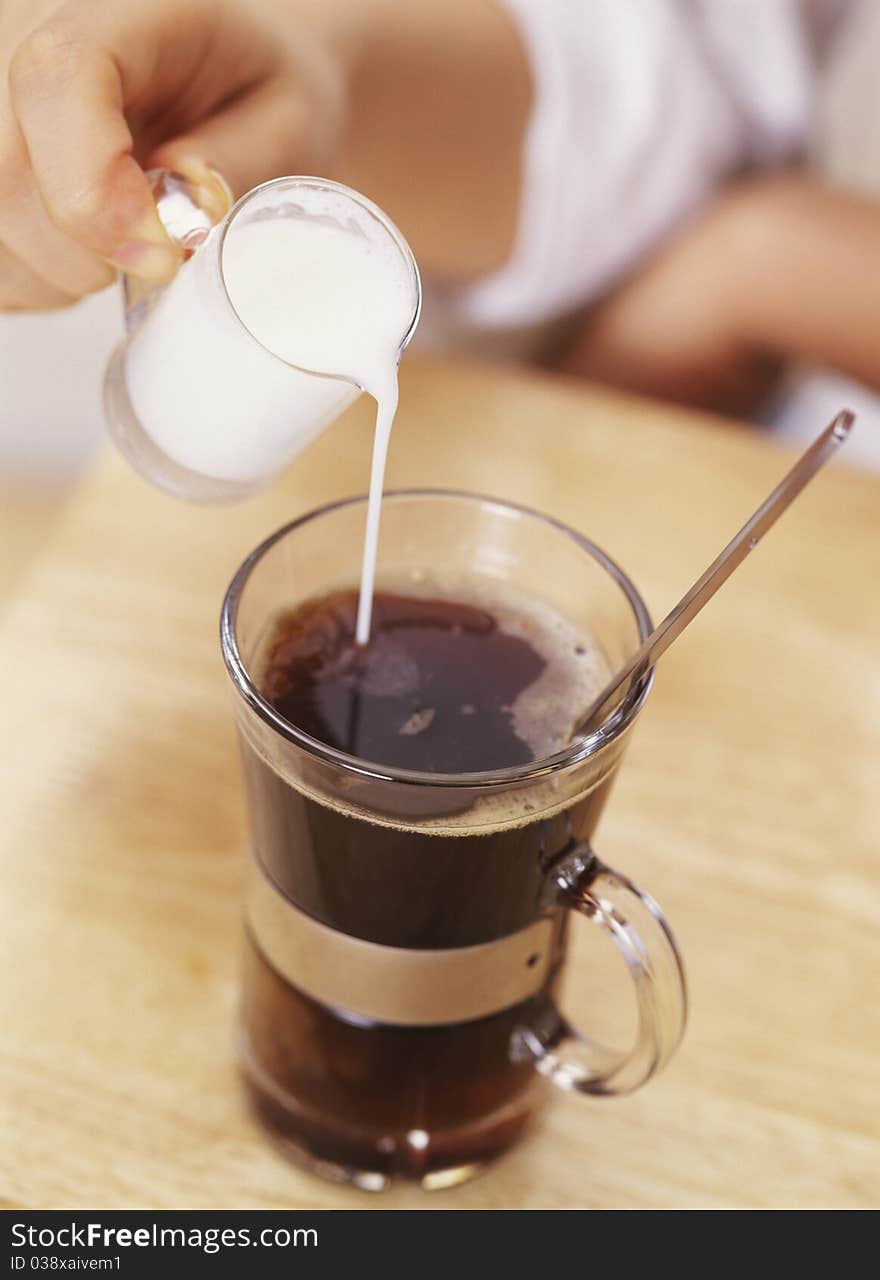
809	285
439	96
777	268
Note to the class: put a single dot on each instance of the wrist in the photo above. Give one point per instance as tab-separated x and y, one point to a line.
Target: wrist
323	42
340	27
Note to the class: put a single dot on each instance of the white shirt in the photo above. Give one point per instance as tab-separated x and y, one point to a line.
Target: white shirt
641	109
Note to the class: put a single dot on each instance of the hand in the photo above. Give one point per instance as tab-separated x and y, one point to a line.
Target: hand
92	92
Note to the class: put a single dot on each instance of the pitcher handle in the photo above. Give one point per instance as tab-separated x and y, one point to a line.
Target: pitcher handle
189	205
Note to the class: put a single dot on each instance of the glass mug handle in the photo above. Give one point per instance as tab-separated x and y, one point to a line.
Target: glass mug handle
640	932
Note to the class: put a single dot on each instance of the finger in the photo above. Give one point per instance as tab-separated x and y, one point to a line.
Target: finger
22	290
28	233
258	136
67	97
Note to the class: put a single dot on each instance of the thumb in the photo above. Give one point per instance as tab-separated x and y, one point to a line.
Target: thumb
66	95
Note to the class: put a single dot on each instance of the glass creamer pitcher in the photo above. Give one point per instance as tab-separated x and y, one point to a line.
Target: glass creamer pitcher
191	385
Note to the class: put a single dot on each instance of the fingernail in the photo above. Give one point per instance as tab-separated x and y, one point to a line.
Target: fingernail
149	261
211	191
149	230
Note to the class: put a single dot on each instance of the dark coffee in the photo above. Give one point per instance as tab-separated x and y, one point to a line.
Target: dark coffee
445	685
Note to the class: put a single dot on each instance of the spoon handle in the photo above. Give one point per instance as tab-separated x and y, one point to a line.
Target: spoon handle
721	568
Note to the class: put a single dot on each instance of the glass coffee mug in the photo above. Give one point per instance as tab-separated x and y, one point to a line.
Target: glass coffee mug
406	931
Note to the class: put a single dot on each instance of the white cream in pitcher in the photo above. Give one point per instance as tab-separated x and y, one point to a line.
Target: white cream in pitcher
319	284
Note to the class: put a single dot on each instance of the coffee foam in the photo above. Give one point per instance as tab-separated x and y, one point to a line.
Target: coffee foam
544	715
452	812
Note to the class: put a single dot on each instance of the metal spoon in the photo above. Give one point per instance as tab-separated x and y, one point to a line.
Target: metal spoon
720	569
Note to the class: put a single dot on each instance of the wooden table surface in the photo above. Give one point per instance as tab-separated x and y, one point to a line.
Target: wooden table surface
748	804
